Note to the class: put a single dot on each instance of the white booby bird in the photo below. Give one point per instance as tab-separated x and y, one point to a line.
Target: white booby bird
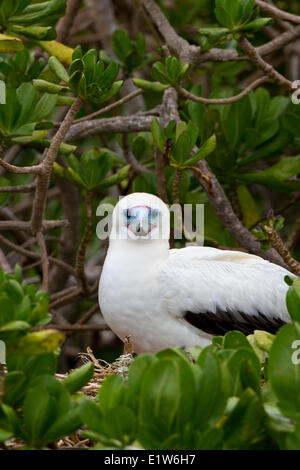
164	297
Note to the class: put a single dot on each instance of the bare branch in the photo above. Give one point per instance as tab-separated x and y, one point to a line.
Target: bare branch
65	24
110	107
24	225
32	254
46	167
186	94
279	246
277	13
24	188
255	57
130	158
119	124
44	256
84	242
20	170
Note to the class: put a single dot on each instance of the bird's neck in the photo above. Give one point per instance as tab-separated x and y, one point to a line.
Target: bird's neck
144	253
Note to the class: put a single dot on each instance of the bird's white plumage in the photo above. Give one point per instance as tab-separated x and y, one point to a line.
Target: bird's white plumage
146	288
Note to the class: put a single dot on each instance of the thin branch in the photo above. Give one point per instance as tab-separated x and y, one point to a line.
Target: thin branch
233	99
84	242
10	156
4	264
20	170
75	327
277	13
160	175
65	24
110	107
32	254
24	225
24	188
130	158
279	246
88	315
119	124
45	167
45	263
257	60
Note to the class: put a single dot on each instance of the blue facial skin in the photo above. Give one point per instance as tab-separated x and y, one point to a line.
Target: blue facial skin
141	219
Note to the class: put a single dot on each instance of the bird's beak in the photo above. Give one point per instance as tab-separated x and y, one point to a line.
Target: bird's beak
140	226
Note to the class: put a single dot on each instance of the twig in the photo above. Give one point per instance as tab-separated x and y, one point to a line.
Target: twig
75	327
23	188
110	107
282	250
186	94
21	170
88	315
31	254
80	259
255	57
4	264
130	158
277	13
24	225
45	167
120	124
65	24
44	256
10	156
160	175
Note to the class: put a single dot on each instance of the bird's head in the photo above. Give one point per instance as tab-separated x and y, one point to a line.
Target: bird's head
140	217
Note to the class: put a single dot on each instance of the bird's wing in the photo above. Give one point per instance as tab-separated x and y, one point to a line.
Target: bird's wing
217	291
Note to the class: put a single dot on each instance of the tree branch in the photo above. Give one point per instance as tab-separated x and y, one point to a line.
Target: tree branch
186	94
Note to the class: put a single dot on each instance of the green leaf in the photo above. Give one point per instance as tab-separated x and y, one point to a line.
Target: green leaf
40	342
58	69
281	171
79	377
264	340
243	427
47	87
293	300
111	392
255	25
10	43
150	86
160	399
206	149
5	435
158	134
284	369
248	206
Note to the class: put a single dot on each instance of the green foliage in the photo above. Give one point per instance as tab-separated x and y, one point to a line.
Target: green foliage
215	401
23	67
235	17
31	19
87	78
90	171
171	72
21	116
131	54
218	400
183	138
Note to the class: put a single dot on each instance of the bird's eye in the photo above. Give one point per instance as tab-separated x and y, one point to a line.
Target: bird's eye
154	213
127	214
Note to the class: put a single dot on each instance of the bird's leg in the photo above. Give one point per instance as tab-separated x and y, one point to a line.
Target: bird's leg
128	349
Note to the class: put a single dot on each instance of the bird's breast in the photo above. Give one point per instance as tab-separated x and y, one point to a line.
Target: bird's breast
129	298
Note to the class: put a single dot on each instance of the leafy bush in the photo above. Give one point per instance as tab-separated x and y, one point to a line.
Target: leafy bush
216	401
196	109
